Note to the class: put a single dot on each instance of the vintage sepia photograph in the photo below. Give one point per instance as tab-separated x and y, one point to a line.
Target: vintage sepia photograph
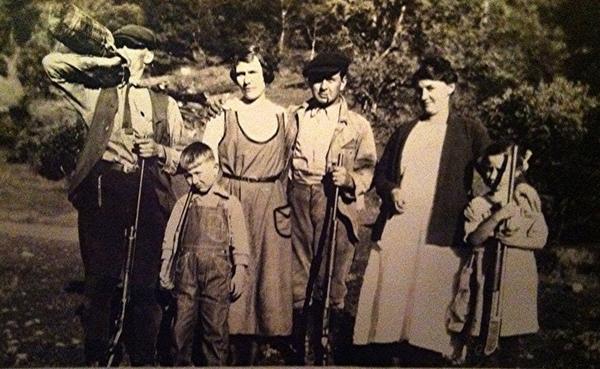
349	183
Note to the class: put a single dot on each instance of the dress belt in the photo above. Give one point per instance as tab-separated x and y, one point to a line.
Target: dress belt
253	180
208	249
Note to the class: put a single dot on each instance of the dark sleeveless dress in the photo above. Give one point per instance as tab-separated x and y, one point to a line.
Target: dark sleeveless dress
251	169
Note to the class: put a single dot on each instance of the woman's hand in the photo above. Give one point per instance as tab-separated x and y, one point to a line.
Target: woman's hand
398	199
238	281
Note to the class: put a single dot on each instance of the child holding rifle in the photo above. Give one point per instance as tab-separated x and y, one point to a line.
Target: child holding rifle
520	228
205	234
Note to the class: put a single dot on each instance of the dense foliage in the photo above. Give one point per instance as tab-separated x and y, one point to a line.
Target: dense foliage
529	69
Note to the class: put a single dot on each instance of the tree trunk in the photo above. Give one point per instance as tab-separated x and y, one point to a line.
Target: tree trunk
486	12
283	26
313	45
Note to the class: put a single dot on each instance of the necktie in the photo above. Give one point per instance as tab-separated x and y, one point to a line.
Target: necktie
127	126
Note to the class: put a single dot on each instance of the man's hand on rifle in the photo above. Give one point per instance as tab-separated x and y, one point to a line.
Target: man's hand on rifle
147	148
238	281
341	178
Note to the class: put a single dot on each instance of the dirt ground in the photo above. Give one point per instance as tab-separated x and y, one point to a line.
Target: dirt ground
40	261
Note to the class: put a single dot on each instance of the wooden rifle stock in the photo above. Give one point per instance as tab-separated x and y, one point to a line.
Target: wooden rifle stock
127	270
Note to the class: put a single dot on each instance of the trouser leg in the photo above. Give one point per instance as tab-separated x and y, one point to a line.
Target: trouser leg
186	311
311	209
319	213
164	341
145	313
303	235
304	231
108	210
98	317
101	243
213	311
298	337
142	322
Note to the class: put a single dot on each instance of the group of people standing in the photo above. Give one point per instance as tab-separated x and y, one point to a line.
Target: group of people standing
243	242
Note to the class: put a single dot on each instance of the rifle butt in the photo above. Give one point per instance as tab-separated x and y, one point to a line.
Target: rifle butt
491	342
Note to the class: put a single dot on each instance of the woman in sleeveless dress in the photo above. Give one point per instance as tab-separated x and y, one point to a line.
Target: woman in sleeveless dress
251	140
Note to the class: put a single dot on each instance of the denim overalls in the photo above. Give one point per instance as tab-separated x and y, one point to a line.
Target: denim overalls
202	279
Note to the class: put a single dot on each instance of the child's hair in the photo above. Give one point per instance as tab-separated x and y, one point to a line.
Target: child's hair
193	153
246	53
498	148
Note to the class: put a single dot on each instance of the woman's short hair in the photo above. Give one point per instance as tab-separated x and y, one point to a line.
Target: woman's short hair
435	68
247	54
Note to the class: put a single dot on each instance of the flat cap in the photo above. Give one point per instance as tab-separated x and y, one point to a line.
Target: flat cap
326	63
134	36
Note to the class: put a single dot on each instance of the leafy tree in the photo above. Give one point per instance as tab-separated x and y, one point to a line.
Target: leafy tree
17	21
579	21
509	59
555	121
215	26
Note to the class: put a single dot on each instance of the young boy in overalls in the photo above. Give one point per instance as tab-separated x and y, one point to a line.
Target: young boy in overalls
205	234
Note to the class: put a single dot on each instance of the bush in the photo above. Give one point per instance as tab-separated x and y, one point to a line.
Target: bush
555	120
50	139
57	154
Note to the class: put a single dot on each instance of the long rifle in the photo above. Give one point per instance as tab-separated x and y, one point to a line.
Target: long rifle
495	320
332	229
127	270
329	229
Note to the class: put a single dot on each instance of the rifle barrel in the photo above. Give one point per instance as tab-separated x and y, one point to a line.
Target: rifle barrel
495	320
332	228
128	269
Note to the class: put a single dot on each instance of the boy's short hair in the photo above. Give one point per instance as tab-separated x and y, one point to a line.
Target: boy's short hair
247	53
192	154
498	148
435	68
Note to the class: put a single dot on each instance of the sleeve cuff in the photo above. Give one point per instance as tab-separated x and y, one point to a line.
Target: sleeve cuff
171	160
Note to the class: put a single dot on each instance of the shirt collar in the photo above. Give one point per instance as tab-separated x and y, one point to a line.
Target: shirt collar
218	187
311	108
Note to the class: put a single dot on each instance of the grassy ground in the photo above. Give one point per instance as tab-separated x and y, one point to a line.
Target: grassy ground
39	327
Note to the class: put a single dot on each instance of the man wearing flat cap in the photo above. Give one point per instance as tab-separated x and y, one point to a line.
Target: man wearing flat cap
127	125
326	130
